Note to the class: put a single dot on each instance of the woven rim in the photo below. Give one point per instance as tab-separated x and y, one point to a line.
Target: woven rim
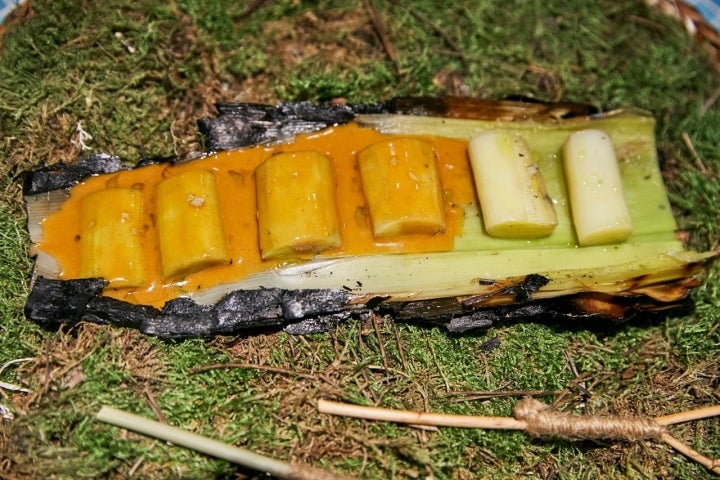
695	24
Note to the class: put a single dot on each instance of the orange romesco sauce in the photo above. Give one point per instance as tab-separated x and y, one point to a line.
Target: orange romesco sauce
234	173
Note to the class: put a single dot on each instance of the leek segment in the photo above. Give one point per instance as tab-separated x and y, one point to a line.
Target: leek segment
596	192
510	187
402	187
111	237
296	205
189	224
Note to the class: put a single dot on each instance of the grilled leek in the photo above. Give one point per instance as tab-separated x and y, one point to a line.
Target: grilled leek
111	237
596	192
189	225
430	256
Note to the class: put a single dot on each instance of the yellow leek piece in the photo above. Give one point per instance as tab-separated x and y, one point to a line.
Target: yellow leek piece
511	190
189	224
296	205
111	237
402	187
597	200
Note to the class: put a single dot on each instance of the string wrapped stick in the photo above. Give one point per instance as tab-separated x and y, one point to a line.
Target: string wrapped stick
540	420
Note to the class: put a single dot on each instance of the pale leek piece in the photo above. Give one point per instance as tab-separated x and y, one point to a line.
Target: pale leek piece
189	224
111	237
511	190
402	187
296	205
597	199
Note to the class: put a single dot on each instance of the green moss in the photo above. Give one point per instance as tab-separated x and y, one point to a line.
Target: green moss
138	75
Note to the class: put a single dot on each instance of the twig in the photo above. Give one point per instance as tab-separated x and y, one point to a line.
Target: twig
12	362
689	415
13	388
251	9
154	406
488	394
382	34
691	147
710	464
539	419
209	446
456	50
10	386
250	366
376	325
398	342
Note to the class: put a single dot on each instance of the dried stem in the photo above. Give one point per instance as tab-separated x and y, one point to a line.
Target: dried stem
709	463
382	34
209	446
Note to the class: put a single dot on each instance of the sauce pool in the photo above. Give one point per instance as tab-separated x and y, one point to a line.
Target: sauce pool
234	174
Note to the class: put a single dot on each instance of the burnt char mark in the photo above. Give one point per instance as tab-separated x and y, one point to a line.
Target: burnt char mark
110	311
63	175
474	321
486	317
428	309
298	304
530	284
323	323
52	302
244	309
244	124
182	318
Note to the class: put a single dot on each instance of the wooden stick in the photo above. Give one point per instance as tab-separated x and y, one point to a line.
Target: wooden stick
689	416
709	463
419	418
209	446
538	419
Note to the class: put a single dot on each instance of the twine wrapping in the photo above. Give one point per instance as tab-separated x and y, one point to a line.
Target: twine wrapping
543	421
